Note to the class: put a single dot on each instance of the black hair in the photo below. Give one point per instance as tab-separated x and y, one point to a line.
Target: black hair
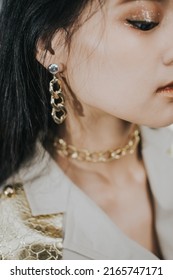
24	96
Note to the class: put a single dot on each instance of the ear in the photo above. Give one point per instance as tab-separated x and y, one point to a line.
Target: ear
56	52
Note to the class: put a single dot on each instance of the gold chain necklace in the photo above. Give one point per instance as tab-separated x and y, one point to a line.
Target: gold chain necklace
70	151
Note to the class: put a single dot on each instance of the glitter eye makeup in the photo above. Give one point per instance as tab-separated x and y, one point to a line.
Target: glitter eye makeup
143	15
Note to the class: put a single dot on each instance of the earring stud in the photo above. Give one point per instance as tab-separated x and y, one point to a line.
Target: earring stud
53	69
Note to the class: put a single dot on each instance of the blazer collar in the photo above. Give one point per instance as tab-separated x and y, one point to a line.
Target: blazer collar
158	158
91	233
157	153
88	230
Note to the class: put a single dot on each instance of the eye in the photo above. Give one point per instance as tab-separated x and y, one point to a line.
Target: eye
142	25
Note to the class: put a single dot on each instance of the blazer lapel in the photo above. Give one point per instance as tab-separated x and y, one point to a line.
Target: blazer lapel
158	159
90	233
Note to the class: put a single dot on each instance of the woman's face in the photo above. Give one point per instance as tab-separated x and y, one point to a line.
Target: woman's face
121	57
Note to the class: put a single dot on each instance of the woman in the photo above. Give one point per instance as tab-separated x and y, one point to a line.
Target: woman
82	174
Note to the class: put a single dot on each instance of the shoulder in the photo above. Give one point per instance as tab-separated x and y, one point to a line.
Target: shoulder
30	229
44	183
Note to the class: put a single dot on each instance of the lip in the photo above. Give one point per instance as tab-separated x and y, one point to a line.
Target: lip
166	90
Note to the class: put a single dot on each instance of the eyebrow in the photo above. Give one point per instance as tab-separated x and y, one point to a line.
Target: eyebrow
126	1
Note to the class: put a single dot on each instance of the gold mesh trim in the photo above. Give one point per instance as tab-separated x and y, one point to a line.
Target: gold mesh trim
27	237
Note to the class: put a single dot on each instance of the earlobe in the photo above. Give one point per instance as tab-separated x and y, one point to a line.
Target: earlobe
54	53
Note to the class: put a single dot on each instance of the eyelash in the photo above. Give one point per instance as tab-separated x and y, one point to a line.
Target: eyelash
142	25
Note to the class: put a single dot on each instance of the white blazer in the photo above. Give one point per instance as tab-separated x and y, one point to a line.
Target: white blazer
88	231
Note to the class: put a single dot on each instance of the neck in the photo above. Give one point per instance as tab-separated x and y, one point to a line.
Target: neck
96	134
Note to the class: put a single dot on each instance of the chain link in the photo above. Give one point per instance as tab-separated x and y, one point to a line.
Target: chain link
70	151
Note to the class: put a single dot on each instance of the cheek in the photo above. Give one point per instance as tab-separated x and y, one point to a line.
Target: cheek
108	71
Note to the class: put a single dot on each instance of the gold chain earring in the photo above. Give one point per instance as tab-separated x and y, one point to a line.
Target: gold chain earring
57	101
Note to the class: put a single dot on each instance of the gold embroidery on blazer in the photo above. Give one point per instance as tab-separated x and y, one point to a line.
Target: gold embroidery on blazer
27	237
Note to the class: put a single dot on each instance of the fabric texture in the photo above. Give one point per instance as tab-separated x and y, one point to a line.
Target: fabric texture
27	237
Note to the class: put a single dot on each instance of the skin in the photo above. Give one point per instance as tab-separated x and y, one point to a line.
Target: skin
115	69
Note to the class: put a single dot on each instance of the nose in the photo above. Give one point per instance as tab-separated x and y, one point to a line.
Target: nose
167	39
